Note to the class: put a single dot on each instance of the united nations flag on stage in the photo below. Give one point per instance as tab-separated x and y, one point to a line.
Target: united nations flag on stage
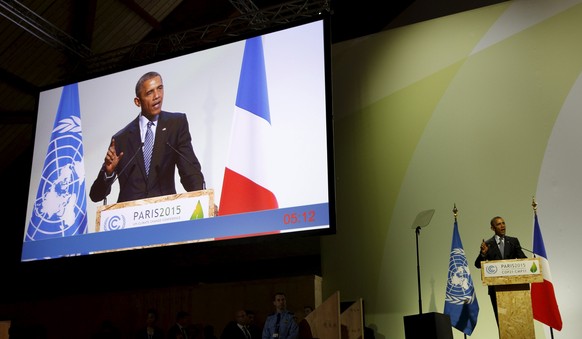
460	300
60	207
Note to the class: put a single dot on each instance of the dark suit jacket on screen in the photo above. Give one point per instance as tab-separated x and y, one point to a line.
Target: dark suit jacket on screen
171	131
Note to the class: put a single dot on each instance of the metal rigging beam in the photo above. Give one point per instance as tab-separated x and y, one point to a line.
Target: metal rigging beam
182	42
244	6
42	29
248	6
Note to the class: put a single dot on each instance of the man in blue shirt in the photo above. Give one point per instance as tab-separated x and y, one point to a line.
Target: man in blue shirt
282	323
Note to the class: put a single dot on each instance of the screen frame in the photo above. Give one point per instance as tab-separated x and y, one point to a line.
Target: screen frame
228	237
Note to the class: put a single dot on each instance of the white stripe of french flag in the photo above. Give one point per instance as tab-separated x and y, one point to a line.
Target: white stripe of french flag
245	185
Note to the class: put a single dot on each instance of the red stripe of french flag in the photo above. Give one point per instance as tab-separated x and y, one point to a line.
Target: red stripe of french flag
245	185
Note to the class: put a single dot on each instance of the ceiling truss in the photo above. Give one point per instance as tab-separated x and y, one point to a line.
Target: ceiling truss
87	64
34	24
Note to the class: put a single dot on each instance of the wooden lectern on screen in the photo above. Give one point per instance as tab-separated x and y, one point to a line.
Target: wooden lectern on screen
155	211
512	279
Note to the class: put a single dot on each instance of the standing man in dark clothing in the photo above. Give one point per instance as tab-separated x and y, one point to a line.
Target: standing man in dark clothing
498	247
144	155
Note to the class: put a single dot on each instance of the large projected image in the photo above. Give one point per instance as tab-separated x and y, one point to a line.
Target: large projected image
242	148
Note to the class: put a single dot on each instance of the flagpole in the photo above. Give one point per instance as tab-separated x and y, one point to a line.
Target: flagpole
417	231
455	214
534	205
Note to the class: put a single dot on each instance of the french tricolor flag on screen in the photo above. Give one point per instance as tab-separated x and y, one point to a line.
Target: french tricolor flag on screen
245	186
544	304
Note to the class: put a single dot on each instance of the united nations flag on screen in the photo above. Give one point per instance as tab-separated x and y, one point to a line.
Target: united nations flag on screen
60	207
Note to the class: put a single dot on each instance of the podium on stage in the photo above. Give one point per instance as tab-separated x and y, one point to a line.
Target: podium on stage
511	279
155	211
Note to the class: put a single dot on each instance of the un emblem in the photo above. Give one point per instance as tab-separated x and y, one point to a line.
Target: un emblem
60	207
460	286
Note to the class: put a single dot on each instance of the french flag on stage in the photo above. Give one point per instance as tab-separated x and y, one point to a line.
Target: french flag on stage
245	186
544	304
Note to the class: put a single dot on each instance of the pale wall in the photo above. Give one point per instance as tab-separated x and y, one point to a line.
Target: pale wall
479	109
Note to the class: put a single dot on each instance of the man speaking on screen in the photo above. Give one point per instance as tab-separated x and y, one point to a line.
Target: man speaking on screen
144	155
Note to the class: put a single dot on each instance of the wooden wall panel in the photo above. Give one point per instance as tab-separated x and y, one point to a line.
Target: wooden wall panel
324	321
352	321
80	316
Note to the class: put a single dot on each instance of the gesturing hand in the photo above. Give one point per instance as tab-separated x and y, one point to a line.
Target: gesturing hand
484	248
112	159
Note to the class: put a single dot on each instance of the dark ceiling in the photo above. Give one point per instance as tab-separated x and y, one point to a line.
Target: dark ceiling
43	43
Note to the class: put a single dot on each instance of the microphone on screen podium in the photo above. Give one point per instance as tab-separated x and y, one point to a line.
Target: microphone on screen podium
123	170
187	160
190	162
525	249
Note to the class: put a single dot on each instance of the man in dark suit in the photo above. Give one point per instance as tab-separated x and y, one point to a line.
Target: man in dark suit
151	329
253	325
237	328
491	250
127	155
180	328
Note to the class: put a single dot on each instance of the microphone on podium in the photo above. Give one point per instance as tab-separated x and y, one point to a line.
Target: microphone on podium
519	247
187	160
525	249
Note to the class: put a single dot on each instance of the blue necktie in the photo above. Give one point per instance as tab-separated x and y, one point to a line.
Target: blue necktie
148	147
